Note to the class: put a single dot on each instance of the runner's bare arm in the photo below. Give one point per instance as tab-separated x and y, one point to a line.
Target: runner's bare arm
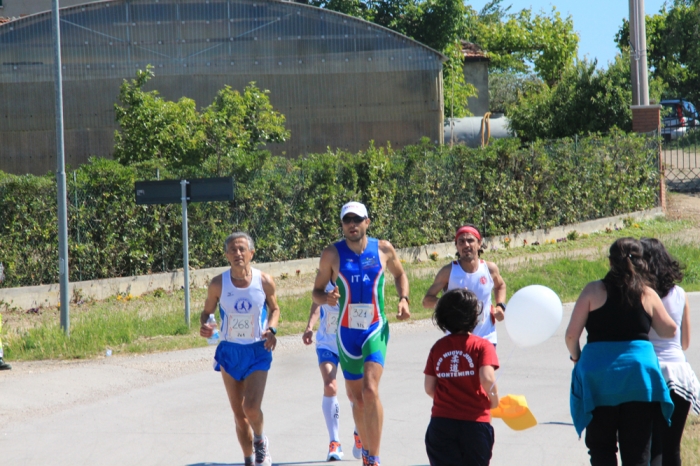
400	278
499	291
439	284
273	311
327	271
213	295
314	313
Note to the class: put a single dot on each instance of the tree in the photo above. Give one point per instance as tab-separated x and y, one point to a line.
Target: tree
585	100
673	54
524	42
152	128
506	87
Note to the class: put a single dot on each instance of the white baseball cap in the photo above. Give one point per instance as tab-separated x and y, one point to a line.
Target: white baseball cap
353	207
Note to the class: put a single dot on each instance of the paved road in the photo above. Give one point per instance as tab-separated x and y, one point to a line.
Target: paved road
170	408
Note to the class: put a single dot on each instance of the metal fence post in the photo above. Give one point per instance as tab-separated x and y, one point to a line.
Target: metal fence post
185	251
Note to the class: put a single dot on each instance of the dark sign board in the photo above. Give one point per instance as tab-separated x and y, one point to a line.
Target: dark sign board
170	191
210	189
158	192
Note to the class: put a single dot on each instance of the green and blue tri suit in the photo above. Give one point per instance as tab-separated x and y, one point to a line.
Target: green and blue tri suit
363	332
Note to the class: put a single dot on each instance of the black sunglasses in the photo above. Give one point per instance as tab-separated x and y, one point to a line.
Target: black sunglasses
355	219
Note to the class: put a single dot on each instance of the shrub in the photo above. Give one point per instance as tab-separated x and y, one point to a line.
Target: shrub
415	196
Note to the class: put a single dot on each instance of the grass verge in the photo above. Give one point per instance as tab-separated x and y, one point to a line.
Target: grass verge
690	444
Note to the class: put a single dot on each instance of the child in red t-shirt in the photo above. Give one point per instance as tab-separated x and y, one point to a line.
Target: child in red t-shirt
460	378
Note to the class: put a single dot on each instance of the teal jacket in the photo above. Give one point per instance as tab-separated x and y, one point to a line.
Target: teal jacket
610	373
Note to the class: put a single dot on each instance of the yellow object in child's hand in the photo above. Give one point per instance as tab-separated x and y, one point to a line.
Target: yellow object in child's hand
514	412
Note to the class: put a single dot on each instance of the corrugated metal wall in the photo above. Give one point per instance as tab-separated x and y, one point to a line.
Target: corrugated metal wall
340	81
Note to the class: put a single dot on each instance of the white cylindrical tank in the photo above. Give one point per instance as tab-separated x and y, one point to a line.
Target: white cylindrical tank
467	130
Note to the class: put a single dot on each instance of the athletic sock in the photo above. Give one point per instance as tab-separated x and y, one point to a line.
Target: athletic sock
331	411
373	460
259	438
249	461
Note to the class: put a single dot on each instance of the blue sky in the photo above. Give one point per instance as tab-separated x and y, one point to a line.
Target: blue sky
595	21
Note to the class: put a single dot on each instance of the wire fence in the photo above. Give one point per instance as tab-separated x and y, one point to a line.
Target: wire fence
681	161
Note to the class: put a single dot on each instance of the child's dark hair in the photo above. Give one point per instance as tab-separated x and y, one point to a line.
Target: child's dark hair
457	311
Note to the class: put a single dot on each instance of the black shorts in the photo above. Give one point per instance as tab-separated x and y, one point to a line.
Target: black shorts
460	443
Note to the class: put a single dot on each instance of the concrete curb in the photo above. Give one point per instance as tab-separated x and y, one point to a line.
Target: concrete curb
48	295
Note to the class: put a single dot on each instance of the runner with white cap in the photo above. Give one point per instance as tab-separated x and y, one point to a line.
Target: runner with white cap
356	265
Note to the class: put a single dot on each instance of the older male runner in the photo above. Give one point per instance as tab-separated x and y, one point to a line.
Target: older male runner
356	265
248	314
476	275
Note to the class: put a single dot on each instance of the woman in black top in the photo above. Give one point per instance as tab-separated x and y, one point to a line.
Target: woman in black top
617	385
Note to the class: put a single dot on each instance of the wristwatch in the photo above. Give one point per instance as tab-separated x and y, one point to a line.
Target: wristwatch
273	330
408	301
502	306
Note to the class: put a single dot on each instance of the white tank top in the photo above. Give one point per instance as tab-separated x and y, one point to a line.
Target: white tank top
481	284
328	326
243	310
670	349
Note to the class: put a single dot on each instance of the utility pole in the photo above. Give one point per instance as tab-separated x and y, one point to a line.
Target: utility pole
61	175
638	53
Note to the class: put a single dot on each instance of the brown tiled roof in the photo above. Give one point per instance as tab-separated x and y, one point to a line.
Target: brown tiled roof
4	20
472	50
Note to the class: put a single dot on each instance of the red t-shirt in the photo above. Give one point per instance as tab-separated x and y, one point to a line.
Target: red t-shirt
455	360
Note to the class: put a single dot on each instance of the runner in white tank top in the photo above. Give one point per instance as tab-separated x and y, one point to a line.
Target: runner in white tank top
249	313
481	284
243	310
328	359
479	276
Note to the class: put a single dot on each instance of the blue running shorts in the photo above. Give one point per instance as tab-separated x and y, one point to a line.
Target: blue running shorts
325	355
239	361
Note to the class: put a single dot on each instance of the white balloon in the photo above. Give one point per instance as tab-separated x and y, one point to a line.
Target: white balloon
533	315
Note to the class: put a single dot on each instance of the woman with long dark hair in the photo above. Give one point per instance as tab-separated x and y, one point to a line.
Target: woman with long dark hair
616	385
679	376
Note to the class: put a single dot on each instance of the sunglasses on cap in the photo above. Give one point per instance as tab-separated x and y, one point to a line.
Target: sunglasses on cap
347	220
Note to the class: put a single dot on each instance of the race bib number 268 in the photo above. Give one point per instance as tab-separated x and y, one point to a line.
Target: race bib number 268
241	327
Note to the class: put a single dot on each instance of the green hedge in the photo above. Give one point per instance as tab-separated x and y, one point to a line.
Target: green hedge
415	196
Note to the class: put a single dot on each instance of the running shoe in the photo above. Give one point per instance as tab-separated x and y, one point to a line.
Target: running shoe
262	453
357	447
365	457
335	452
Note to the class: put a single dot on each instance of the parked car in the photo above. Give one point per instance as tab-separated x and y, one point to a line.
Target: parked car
677	117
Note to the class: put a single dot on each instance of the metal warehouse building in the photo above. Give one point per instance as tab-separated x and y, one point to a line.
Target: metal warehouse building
340	81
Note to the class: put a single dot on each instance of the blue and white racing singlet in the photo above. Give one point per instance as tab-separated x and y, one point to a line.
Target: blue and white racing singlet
243	310
328	326
481	284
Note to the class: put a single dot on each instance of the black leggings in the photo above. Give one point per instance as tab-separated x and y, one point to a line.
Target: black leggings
627	423
665	439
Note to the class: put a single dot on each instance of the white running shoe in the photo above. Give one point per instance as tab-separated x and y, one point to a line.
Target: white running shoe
357	446
335	452
262	453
